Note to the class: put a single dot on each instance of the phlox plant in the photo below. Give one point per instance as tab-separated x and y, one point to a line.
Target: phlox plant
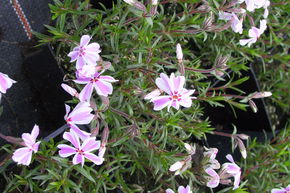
138	74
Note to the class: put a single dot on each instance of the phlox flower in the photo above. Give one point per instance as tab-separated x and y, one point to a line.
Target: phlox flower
177	95
23	155
213	178
236	23
257	4
85	53
229	170
211	155
80	115
5	83
282	190
80	151
102	85
181	189
180	166
254	34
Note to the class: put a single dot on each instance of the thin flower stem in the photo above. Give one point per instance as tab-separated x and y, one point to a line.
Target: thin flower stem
222	134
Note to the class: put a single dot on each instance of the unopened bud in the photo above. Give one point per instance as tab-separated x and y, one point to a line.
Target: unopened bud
253	106
179	53
207	23
243	136
154	2
258	95
189	148
106	65
70	90
105	136
130	2
241	147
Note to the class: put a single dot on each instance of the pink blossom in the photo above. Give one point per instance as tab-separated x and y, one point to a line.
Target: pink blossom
180	166
211	155
213	178
85	53
102	85
5	83
230	170
236	23
79	151
181	189
254	34
282	190
23	155
177	95
80	115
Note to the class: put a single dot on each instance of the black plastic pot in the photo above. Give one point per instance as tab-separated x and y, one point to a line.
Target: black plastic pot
256	125
36	98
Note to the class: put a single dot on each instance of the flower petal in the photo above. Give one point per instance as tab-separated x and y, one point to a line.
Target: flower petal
94	158
164	83
73	138
169	190
176	166
103	88
86	93
65	150
214	178
73	55
22	156
78	158
85	39
90	144
161	102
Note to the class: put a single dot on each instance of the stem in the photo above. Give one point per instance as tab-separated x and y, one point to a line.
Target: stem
222	134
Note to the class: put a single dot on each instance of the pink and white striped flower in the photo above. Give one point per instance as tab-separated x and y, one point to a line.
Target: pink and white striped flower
177	95
210	154
85	53
23	155
80	151
255	33
181	189
5	83
102	85
229	170
213	178
236	23
282	190
80	115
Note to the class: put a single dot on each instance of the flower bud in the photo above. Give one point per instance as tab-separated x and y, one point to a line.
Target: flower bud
258	95
253	106
189	148
179	53
241	147
154	2
70	90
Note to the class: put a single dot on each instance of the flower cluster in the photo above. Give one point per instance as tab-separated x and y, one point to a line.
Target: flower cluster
236	17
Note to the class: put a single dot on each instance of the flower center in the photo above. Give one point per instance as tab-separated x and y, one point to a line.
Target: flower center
94	79
79	151
82	51
175	96
68	120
